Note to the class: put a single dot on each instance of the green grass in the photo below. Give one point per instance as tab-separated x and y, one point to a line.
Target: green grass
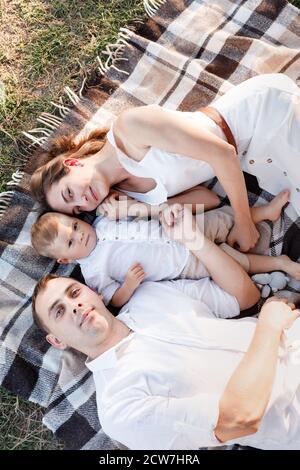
45	46
21	426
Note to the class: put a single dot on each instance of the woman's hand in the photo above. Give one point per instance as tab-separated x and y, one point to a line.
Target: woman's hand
244	234
278	314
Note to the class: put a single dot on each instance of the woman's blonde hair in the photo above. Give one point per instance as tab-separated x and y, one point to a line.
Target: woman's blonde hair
62	148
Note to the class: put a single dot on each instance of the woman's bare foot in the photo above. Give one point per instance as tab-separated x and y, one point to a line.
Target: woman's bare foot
274	208
290	267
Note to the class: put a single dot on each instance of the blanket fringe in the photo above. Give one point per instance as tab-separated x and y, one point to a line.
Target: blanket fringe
151	6
114	53
6	196
5	199
16	178
38	136
63	110
52	121
72	95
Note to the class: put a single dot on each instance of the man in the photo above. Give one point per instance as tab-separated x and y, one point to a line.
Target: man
168	374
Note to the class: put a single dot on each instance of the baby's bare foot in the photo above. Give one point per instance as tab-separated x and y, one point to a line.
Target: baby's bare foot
290	267
274	208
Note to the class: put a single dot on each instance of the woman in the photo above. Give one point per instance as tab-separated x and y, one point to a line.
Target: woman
255	126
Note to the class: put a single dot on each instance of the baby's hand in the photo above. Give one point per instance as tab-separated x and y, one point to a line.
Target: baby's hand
135	275
172	214
184	228
115	206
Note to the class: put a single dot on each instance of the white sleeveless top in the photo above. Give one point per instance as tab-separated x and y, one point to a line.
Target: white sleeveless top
172	172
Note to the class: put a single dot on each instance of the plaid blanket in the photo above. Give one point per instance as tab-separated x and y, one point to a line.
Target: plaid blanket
186	54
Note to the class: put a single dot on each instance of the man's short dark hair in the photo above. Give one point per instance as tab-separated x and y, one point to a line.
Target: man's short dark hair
40	287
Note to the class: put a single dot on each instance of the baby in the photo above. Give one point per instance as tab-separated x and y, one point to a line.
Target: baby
116	256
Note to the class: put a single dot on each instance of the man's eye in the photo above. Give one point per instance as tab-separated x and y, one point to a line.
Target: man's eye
69	193
76	226
59	312
70	243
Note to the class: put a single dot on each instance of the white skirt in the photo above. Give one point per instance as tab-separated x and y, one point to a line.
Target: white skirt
263	114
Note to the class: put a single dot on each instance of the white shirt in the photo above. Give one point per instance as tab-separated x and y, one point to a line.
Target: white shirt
160	387
123	243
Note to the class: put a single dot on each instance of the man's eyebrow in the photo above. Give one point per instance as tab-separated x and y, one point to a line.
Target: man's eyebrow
58	300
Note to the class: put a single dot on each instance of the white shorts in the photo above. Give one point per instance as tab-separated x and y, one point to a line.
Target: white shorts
216	225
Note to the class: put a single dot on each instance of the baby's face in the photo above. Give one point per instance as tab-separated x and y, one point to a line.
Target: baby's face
75	239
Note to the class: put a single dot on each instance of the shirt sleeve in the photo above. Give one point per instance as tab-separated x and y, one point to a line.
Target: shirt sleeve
222	304
155	422
102	283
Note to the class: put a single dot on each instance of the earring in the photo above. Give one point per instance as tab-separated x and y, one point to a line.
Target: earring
72	162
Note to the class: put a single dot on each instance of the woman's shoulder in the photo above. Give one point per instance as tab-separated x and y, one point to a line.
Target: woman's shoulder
130	119
131	130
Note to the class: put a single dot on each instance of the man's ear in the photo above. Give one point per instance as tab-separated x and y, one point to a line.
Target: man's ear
72	162
64	261
55	341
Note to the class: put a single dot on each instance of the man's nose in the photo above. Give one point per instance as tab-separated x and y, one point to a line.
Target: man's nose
77	308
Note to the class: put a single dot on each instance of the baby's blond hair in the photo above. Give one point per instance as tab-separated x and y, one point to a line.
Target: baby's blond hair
43	233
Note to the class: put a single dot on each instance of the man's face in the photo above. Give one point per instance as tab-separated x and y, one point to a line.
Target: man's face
74	314
75	239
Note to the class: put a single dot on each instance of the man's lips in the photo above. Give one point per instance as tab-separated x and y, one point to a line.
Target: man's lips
85	315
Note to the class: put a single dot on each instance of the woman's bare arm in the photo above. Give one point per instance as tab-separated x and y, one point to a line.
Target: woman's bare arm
144	126
118	205
200	197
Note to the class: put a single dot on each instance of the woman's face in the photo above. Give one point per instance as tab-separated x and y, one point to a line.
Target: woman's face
78	191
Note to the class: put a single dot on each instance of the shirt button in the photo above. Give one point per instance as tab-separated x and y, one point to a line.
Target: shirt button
131	238
116	238
298	190
269	160
251	162
244	152
285	173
